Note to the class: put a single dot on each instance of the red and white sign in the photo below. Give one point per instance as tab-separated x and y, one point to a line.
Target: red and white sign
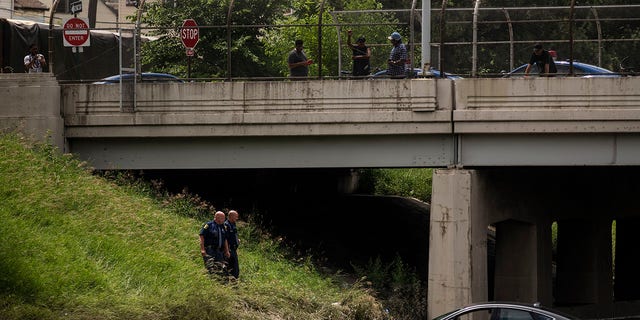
76	33
189	33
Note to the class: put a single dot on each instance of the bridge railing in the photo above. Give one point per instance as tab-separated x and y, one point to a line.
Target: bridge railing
421	106
335	107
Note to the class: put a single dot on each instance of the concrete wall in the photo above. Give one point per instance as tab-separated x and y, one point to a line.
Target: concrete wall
481	106
30	103
547	105
300	108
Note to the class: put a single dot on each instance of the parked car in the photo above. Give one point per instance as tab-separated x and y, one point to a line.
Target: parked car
145	77
505	311
417	73
580	69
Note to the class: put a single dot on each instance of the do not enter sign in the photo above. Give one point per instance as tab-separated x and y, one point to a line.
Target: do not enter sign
75	33
189	33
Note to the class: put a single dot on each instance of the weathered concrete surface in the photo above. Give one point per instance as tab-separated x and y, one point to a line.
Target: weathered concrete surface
30	103
547	105
299	108
457	241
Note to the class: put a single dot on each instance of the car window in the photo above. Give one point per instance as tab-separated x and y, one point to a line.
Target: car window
564	69
480	314
158	78
514	314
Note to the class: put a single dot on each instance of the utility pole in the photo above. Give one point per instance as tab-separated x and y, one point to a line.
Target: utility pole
93	7
426	36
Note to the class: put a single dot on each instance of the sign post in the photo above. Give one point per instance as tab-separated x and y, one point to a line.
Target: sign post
190	35
76	33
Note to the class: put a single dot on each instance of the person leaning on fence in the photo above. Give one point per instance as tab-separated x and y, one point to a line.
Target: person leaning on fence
361	56
298	62
397	57
543	59
213	244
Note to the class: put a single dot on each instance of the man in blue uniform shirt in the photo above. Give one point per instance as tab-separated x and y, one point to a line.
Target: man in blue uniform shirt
233	241
213	239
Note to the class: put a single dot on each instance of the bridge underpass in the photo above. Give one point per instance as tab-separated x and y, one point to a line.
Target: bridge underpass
490	138
575	274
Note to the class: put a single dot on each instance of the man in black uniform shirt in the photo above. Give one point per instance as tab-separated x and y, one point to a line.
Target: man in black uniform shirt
233	241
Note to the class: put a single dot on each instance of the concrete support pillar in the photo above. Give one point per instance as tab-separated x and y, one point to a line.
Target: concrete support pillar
457	241
627	261
523	262
584	274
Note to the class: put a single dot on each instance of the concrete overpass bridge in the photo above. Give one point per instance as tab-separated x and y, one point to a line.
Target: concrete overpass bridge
513	155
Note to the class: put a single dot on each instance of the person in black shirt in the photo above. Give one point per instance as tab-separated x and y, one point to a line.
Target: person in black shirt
361	56
543	60
233	241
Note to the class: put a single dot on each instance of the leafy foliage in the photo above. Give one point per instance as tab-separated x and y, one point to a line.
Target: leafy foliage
248	59
414	182
303	24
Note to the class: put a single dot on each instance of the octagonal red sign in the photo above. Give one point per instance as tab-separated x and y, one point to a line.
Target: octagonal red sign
76	33
189	33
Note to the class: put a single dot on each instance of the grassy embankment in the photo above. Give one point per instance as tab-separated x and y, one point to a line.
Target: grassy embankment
78	246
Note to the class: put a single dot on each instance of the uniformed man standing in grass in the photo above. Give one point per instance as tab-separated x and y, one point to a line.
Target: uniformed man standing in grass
233	241
213	244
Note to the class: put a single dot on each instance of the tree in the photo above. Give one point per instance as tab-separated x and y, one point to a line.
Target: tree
166	54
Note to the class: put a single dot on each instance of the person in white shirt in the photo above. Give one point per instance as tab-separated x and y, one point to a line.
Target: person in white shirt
34	61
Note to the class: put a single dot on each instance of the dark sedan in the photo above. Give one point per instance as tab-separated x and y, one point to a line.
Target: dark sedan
504	311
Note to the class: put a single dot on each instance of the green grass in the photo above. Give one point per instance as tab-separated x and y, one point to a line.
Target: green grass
406	182
76	245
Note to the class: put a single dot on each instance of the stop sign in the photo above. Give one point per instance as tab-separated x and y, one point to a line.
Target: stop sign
75	33
189	33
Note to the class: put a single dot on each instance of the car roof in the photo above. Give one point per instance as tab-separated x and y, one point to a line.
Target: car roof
418	71
145	76
584	67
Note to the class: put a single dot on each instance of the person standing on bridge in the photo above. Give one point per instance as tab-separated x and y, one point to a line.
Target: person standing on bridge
543	59
298	62
397	57
34	61
233	241
361	56
213	244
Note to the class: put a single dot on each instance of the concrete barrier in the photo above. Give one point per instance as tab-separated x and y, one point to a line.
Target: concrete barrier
30	103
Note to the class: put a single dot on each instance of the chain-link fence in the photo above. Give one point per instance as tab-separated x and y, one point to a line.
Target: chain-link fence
472	42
